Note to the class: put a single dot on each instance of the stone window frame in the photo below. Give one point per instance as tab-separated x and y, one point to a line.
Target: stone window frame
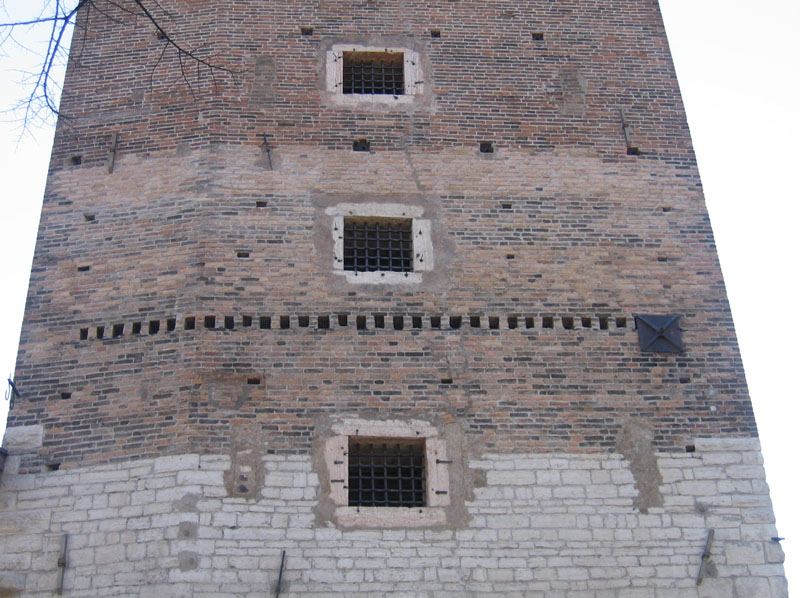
412	76
437	474
422	259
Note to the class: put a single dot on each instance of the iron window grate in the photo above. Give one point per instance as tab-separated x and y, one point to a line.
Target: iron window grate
386	473
373	73
378	245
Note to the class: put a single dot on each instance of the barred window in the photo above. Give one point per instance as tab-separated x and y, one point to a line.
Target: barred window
378	245
386	473
373	73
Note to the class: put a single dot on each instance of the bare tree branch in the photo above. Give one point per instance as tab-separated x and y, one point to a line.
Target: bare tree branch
60	16
181	50
60	26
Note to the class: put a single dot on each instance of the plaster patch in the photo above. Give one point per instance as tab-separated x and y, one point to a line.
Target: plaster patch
261	94
187	530
23	438
573	92
635	443
187	503
187	561
245	476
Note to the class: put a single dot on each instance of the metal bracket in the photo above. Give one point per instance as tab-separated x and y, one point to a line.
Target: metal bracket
11	393
280	575
704	559
112	154
62	564
268	150
626	130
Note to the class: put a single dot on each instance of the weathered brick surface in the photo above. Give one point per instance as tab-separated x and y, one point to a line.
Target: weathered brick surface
490	79
591	246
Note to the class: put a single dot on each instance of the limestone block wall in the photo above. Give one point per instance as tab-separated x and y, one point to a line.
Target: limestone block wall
538	524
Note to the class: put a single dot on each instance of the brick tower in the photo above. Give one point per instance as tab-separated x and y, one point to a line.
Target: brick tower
399	299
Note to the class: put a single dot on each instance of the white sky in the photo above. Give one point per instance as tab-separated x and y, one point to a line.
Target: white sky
738	64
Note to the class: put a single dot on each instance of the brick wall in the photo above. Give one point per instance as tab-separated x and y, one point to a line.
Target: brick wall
489	79
521	239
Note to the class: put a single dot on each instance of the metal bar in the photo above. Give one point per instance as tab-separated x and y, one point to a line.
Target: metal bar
112	154
419	470
62	564
269	151
625	128
11	393
413	478
373	480
704	558
280	575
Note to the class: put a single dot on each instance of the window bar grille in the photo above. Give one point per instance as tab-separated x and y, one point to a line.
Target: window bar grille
386	475
378	246
373	75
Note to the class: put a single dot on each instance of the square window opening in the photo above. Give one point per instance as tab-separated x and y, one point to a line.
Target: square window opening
378	73
386	473
378	245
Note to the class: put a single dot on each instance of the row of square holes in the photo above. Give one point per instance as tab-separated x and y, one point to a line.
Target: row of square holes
536	36
363	145
380	321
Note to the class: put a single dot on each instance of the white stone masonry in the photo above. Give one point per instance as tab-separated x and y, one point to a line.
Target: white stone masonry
555	525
